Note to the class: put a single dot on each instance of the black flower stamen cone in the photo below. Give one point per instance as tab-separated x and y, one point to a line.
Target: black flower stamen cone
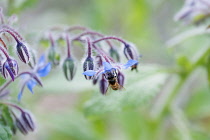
88	65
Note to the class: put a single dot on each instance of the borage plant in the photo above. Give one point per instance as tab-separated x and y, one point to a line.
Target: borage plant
101	60
102	65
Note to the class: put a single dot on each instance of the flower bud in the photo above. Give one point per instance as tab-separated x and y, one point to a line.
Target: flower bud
27	119
53	56
88	65
121	78
114	54
95	80
22	52
10	67
69	68
21	126
128	52
131	53
103	84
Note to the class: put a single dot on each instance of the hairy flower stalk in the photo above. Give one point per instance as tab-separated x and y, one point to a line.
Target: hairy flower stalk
2	43
53	55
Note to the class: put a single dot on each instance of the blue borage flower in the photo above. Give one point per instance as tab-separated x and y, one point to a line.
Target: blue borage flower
109	67
41	70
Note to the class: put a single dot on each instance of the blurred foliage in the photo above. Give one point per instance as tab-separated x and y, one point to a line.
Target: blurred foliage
172	80
6	123
17	6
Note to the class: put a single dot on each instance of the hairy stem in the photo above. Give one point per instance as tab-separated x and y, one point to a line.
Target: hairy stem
51	40
68	44
95	34
2	42
81	28
11	33
110	38
5	53
89	47
13	105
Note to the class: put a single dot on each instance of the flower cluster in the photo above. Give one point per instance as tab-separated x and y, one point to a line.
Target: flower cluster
102	59
9	69
194	11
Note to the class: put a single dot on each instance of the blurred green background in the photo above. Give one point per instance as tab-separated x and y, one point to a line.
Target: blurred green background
157	103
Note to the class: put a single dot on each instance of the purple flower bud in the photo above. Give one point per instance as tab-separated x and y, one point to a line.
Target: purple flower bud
129	52
27	119
88	65
22	52
103	84
21	126
114	54
10	67
69	68
121	78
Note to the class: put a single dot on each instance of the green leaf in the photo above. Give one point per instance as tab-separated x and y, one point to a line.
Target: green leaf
5	132
7	118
